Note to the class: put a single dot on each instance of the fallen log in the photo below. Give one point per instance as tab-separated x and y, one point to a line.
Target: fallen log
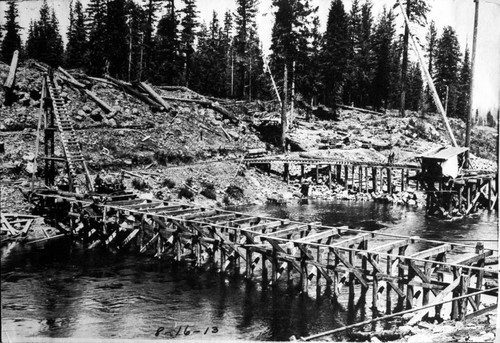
360	109
154	95
11	78
181	88
206	103
132	91
102	104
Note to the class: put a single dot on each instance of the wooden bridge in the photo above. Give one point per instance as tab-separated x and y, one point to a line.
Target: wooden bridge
404	274
445	196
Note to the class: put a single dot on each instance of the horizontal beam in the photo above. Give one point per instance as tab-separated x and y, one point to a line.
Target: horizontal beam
432	251
319	236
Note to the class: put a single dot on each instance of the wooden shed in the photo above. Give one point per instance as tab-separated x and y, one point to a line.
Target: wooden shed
444	161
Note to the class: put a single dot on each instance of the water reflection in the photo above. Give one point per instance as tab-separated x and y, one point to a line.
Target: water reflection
69	292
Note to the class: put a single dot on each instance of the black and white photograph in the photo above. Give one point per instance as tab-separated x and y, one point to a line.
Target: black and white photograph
249	170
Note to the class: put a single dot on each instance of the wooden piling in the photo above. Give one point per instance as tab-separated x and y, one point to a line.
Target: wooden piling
366	180
339	172
402	180
287	173
374	179
317	173
346	176
480	273
330	176
360	179
302	173
389	180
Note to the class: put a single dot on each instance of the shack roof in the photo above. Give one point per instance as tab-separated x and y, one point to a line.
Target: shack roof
443	154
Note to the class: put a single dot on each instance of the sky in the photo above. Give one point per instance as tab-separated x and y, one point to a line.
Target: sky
457	13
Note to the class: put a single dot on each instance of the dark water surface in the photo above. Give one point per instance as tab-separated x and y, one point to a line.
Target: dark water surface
59	290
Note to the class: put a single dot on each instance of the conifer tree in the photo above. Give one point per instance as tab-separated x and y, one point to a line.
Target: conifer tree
335	51
96	52
44	41
245	15
116	38
12	41
415	88
77	37
166	60
188	34
150	10
447	68
464	87
416	10
384	51
365	64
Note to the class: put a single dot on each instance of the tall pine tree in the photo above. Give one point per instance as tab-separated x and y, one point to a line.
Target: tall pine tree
335	52
416	10
44	41
12	40
383	50
464	87
166	53
77	37
96	51
116	39
188	35
448	68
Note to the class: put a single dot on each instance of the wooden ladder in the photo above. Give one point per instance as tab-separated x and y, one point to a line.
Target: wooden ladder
71	148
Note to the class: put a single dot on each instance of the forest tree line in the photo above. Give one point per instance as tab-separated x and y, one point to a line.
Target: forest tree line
358	60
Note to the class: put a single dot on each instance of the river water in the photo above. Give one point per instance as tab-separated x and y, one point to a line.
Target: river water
60	290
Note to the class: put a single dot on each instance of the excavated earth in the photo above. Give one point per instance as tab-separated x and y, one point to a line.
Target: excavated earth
190	145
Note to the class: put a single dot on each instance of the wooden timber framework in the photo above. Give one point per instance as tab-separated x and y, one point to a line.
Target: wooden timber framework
445	196
363	176
403	274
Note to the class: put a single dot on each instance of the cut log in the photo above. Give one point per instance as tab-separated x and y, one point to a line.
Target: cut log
70	79
132	91
206	103
360	109
11	78
154	95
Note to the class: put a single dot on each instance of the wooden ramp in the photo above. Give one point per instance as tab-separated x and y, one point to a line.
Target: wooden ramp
403	273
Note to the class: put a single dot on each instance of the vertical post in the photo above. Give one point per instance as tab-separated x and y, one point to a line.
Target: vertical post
389	180
287	173
317	173
330	176
375	285
480	273
401	271
464	285
382	180
249	270
409	288
339	172
374	179
360	179
402	180
302	173
471	89
274	270
366	180
346	176
426	291
284	115
490	181
352	178
454	306
264	269
388	303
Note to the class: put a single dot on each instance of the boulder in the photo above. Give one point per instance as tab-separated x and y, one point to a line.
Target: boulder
86	109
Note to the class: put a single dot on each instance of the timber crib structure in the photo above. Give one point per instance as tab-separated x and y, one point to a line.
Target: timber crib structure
403	274
445	196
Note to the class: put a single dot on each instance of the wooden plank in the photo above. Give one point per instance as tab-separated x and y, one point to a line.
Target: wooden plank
378	269
393	245
432	251
357	273
130	237
158	210
420	314
481	311
351	241
319	236
291	229
199	215
11	78
155	237
473	259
